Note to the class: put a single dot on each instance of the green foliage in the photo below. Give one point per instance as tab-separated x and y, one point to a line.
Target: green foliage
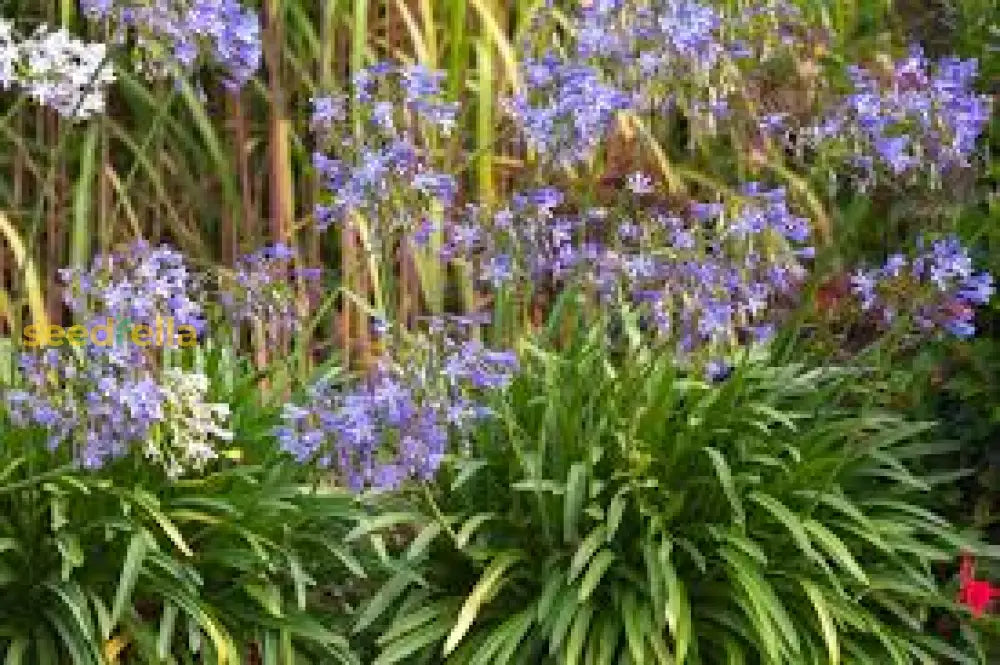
621	512
123	565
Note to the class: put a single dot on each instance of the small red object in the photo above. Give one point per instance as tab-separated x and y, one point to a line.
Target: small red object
975	594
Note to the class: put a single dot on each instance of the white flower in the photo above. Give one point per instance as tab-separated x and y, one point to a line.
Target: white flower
640	183
190	423
56	70
9	56
67	74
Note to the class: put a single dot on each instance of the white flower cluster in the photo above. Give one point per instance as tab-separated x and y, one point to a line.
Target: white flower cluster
55	69
190	423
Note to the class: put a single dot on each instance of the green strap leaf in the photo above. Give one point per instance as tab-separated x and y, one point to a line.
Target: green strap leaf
469	528
138	546
725	476
585	551
678	610
616	509
389	592
15	652
577	634
149	503
412	643
836	549
573	505
633	628
602	561
482	593
828	627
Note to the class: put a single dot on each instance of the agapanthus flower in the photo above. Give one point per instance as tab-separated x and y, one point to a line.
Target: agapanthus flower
327	111
55	69
381	173
567	112
397	422
917	117
262	290
938	286
643	55
101	400
192	427
101	406
717	370
176	32
664	38
708	277
139	283
640	183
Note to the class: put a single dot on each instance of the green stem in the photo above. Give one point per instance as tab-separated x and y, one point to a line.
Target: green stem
438	515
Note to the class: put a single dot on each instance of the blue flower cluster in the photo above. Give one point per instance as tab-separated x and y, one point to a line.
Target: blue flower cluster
105	405
713	278
102	405
707	276
913	118
140	283
262	290
396	423
643	55
626	55
938	287
566	110
180	30
370	161
646	42
105	400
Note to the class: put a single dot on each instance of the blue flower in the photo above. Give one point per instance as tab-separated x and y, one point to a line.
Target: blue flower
226	30
396	424
926	117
